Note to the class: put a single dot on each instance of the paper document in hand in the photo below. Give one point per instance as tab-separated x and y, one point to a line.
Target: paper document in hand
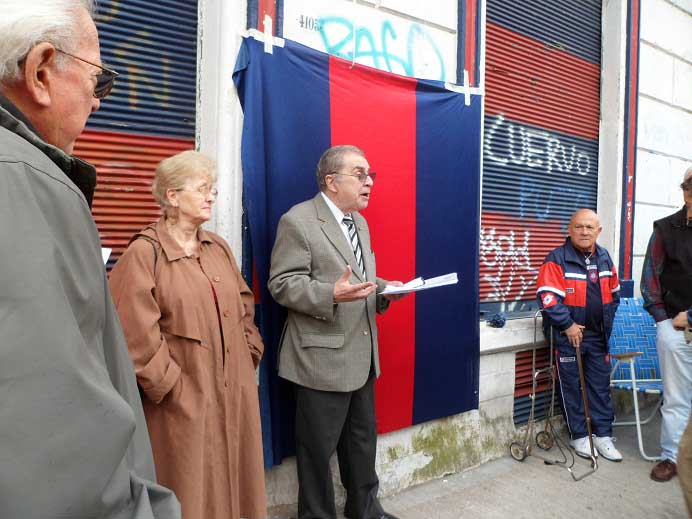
418	284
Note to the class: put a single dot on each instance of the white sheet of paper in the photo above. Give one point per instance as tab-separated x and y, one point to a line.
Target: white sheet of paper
418	284
105	254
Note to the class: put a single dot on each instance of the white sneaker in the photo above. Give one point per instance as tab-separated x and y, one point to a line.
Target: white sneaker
582	448
604	445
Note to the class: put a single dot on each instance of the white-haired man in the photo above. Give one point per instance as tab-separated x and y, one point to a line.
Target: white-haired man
73	441
666	287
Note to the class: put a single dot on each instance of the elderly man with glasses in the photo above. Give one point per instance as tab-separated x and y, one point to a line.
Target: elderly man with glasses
666	287
73	441
323	272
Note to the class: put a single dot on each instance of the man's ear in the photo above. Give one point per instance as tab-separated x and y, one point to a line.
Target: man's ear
330	181
39	73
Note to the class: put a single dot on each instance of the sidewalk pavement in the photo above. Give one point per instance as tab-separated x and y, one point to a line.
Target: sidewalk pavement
505	488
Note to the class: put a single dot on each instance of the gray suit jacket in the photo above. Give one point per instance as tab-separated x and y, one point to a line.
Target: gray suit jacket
324	346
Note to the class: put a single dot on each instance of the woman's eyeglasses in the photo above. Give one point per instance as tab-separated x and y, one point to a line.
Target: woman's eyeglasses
204	190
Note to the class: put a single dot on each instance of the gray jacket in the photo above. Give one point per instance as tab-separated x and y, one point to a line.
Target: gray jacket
73	441
325	346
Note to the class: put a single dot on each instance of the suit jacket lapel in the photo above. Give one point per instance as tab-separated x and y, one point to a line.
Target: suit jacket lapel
335	235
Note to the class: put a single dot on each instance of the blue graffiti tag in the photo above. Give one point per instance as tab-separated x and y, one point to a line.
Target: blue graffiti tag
337	33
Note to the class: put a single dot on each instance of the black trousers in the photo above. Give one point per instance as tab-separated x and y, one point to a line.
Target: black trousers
327	421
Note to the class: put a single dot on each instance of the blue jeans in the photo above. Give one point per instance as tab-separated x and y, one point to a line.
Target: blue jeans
675	358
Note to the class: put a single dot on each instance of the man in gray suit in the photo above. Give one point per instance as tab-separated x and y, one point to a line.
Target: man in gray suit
323	272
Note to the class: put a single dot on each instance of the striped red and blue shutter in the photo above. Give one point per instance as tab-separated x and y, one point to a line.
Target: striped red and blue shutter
149	115
540	160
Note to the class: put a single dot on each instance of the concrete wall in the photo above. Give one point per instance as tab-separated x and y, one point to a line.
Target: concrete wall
664	137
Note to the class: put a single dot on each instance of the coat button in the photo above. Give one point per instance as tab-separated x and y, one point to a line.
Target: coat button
365	333
216	279
226	313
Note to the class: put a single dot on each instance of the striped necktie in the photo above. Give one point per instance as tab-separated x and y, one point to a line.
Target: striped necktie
355	243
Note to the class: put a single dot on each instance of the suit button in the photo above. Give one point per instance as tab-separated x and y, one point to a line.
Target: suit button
226	313
365	333
216	279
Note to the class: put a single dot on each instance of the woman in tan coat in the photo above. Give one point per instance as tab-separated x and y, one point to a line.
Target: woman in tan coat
188	320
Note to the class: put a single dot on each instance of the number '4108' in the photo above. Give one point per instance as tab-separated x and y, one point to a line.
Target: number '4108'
309	22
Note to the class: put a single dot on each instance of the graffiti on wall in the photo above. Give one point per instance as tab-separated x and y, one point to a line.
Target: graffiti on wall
533	180
533	148
377	47
375	38
506	264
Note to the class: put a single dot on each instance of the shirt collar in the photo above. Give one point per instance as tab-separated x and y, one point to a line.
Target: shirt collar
578	256
168	243
81	173
338	214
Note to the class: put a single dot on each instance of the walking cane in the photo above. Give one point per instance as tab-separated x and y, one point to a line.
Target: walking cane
587	415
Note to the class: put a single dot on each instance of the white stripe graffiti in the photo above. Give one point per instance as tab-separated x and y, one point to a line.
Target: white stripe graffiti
510	263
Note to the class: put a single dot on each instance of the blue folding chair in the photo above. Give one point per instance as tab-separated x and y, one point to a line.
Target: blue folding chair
635	360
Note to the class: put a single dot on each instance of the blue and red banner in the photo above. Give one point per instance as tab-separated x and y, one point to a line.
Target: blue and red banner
424	143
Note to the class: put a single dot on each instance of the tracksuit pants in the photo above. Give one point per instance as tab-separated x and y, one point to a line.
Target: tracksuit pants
597	376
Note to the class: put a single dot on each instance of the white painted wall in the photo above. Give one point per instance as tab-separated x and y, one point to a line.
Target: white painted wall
219	115
664	138
403	36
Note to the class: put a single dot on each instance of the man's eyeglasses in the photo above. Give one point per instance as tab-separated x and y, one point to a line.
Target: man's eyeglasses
104	79
362	176
204	190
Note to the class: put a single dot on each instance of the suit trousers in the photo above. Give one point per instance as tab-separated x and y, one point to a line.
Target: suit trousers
597	377
343	421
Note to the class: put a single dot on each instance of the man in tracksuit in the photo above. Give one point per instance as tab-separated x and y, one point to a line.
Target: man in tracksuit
578	289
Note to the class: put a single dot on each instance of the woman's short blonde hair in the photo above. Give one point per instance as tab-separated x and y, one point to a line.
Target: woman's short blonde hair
175	171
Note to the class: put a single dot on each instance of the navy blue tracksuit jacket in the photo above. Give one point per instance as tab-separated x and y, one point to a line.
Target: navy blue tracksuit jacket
570	290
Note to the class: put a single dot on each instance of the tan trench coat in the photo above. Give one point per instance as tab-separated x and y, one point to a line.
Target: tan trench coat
198	377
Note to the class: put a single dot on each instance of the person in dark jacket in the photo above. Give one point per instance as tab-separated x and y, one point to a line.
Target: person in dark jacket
666	287
579	292
73	441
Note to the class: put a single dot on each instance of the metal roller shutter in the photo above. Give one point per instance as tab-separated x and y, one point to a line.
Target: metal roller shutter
149	115
540	157
523	386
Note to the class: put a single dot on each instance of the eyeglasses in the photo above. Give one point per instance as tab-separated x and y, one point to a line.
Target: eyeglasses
104	80
204	190
363	176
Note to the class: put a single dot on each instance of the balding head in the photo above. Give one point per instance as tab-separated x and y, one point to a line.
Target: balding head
584	228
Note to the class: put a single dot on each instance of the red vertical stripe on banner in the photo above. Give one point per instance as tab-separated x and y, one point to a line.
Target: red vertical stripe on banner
470	42
377	113
266	7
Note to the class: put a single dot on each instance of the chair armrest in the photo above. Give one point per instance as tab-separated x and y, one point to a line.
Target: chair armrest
628	355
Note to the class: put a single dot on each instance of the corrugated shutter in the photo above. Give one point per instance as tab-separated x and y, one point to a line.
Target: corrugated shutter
149	115
540	159
153	45
123	203
523	385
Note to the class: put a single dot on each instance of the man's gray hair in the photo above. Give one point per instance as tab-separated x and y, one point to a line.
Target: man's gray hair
26	23
332	160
